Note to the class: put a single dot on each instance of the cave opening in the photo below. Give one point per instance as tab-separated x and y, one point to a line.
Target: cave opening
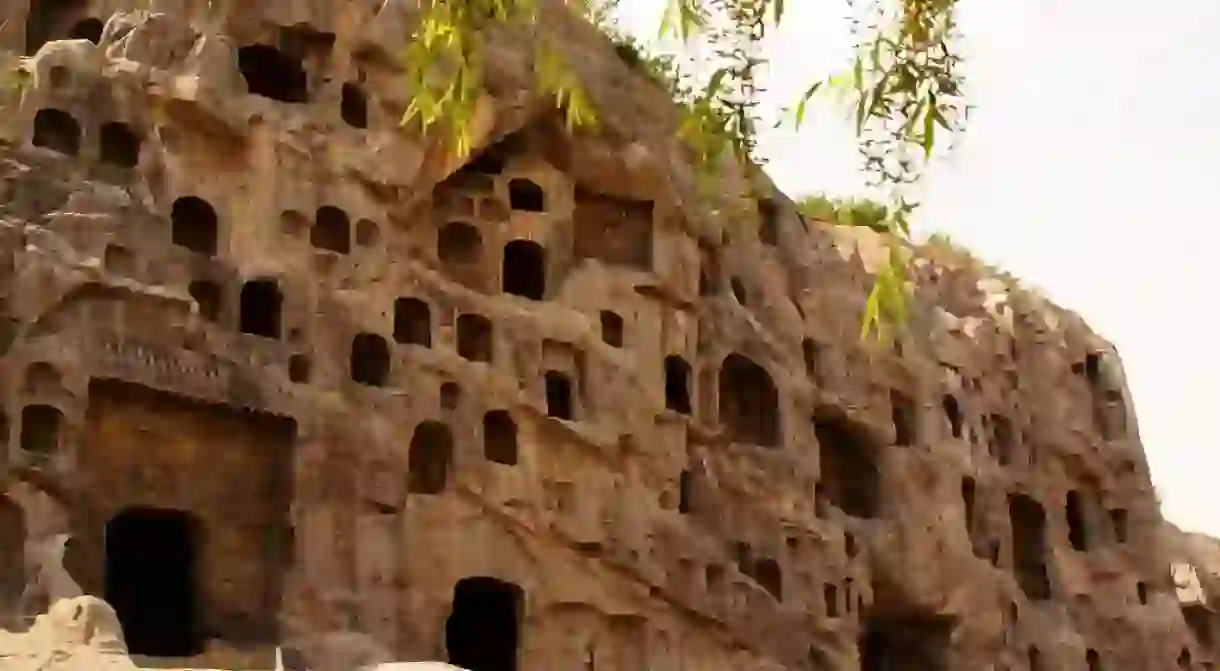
150	580
909	642
483	630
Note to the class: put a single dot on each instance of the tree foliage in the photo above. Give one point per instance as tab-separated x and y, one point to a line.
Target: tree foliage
445	61
903	82
846	211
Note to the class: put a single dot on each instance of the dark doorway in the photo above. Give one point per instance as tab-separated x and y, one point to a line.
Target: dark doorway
902	411
558	395
119	146
768	574
830	594
370	360
850	477
526	196
412	322
954	414
429	457
354	106
677	384
685	483
483	631
261	303
1028	522
500	437
524	271
900	644
459	243
87	29
968	492
272	74
768	230
150	580
749	402
1118	518
57	130
40	428
474	336
194	225
612	328
1198	619
451	395
812	352
299	368
208	296
119	260
1004	438
332	230
1075	519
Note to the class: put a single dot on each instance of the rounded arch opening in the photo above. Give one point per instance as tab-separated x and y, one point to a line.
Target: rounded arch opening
261	303
429	457
459	243
273	74
370	360
749	402
193	224
524	269
500	437
57	130
332	230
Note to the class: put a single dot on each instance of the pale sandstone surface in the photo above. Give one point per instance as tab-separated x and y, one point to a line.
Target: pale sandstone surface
83	634
322	386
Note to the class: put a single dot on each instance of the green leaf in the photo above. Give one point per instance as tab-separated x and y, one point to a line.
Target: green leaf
717	80
667	20
872	310
799	117
681	19
929	126
861	113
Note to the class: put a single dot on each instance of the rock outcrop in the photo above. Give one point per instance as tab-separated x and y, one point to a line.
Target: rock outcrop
278	372
84	634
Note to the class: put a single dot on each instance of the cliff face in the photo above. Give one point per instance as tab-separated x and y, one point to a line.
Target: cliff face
276	371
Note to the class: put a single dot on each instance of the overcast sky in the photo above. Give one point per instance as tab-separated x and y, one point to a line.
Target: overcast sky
1087	169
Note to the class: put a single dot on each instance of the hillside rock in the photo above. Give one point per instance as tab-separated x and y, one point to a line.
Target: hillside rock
278	372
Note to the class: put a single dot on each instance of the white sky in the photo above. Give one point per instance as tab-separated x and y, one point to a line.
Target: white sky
1085	171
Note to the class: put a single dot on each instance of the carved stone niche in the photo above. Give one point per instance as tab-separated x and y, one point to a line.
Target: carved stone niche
614	230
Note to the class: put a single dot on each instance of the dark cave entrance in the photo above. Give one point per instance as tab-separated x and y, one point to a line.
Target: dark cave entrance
483	631
524	269
903	643
150	580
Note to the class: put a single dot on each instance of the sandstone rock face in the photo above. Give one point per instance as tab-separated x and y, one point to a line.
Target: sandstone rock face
279	372
1196	576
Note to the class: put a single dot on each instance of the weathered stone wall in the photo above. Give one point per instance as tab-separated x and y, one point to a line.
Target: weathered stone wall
375	387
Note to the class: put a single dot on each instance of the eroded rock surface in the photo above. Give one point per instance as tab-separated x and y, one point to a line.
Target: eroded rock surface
278	372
